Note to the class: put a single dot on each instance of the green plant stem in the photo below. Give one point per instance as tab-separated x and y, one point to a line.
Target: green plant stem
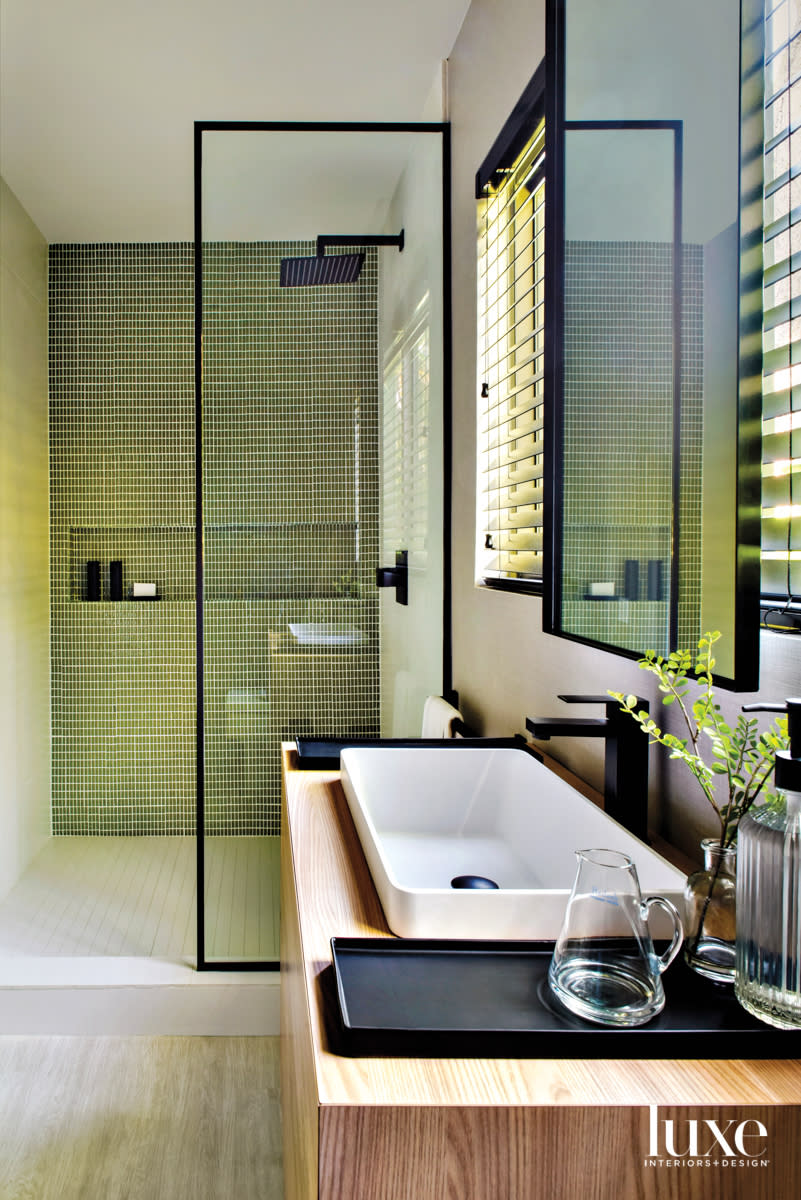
707	901
694	730
740	753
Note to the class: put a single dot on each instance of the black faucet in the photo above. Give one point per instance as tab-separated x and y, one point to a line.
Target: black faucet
787	769
625	761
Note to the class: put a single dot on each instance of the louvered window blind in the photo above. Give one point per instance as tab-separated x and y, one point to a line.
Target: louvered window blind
781	385
511	288
405	439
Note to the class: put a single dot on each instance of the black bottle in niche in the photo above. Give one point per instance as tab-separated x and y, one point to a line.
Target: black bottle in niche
631	579
655	589
93	580
115	580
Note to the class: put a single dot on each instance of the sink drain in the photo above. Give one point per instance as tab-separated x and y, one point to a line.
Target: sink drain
479	882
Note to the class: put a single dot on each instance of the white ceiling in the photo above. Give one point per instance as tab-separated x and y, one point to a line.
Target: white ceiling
276	185
98	97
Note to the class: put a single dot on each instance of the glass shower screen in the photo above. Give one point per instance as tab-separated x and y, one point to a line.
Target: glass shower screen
321	363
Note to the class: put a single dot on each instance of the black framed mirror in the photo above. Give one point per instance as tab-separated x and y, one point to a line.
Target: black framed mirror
653	312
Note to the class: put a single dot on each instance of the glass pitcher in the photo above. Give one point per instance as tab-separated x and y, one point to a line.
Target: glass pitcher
604	966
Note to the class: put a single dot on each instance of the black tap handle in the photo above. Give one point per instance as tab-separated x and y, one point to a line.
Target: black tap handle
548	727
641	703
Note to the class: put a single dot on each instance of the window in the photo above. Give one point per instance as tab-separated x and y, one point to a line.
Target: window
781	385
405	439
510	189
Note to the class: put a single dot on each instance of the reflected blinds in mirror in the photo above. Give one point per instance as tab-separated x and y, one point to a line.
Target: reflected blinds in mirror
511	286
781	421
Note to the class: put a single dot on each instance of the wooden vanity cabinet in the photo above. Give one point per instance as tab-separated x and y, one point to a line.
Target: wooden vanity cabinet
482	1129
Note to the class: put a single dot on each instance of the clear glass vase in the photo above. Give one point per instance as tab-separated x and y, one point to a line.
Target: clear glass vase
709	914
768	979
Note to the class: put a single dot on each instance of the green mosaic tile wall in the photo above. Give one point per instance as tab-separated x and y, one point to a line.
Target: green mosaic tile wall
290	499
290	412
122	487
618	437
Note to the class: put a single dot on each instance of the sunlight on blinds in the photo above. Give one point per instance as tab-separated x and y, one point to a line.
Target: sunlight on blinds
405	439
511	343
781	390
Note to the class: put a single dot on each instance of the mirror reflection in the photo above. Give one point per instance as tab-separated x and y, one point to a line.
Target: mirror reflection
648	250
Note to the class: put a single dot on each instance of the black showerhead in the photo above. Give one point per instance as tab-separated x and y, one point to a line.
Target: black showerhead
333	268
321	269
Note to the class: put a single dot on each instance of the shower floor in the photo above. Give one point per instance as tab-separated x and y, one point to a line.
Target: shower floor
135	896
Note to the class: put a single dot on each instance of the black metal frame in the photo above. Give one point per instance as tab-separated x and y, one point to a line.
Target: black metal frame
201	127
516	131
749	367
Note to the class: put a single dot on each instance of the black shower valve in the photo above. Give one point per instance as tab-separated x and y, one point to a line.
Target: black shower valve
396	577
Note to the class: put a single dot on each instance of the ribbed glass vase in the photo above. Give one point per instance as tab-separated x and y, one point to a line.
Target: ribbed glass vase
768	981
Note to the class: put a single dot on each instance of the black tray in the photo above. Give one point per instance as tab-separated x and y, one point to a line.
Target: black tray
445	999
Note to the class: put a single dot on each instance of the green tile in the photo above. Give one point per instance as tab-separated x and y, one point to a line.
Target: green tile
291	387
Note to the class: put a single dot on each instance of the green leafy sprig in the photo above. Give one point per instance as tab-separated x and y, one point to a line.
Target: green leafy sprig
740	753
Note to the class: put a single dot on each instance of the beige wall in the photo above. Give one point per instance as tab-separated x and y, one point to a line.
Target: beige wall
24	588
411	635
505	668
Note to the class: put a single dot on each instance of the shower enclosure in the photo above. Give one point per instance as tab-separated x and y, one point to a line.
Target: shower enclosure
216	522
320	403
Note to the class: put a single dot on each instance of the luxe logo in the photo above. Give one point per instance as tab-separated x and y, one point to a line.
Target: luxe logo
705	1142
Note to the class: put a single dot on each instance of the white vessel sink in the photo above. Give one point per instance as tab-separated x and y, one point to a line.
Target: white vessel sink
427	815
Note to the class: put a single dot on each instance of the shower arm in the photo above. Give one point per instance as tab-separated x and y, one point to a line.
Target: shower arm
352	239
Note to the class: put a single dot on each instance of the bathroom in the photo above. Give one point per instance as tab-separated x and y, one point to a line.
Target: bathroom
504	667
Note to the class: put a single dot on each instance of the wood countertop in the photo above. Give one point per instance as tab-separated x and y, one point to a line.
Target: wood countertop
335	896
